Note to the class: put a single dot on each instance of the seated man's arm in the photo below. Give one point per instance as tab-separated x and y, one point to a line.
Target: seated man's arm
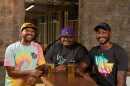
122	66
12	72
83	58
121	78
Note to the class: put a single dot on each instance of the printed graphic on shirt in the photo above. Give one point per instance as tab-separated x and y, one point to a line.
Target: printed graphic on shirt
104	67
26	59
60	59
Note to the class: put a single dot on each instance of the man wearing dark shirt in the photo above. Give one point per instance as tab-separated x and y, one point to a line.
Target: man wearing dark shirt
109	60
66	50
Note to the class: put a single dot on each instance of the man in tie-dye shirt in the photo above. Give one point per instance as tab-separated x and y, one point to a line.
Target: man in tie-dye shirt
23	57
109	60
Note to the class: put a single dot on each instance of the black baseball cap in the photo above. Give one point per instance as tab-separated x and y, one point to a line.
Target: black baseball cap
103	26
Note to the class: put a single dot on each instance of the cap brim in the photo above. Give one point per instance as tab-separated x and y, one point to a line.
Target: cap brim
101	27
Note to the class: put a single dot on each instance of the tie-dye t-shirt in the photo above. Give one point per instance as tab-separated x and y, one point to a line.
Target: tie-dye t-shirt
106	63
22	57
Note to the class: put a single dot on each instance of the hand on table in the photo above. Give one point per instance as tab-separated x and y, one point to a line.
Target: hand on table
60	68
32	78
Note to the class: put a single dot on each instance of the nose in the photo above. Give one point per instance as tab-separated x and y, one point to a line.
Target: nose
100	35
65	38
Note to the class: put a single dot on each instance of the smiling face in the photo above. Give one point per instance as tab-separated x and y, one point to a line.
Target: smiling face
28	34
103	36
67	40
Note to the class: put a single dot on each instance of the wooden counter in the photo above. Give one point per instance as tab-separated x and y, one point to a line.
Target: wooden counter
66	78
62	79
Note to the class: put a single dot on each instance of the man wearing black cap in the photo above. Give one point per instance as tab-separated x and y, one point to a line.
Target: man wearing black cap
66	50
109	60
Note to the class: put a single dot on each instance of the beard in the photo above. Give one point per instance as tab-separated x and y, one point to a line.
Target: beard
103	40
68	43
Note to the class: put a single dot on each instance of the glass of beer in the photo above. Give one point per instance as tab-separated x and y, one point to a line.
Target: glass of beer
71	71
50	69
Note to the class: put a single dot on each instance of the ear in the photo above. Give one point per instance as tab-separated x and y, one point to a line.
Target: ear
20	32
110	32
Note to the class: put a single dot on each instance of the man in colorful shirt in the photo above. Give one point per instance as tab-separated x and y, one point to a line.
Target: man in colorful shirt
109	60
23	57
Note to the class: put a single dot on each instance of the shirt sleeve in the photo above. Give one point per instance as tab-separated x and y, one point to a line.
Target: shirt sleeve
9	57
83	55
41	58
51	53
122	57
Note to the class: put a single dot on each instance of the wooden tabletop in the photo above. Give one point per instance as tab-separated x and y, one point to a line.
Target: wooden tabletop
63	79
66	78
